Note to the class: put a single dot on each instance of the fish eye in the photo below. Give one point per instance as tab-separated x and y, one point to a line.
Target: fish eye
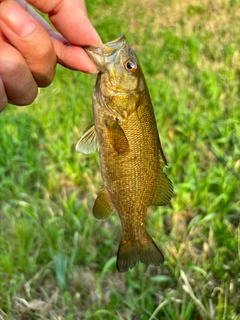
130	66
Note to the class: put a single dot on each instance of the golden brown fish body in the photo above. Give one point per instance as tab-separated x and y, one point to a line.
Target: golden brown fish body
131	156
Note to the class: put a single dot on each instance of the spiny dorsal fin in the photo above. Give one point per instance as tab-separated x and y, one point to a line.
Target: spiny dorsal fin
103	206
88	142
117	137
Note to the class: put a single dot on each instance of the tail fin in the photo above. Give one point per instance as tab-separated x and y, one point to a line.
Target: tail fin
130	253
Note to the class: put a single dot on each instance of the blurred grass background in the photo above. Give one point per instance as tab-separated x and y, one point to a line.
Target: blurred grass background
56	261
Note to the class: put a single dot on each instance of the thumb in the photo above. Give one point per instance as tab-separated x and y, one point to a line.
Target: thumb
30	39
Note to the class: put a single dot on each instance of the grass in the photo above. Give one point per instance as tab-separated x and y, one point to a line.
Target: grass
56	261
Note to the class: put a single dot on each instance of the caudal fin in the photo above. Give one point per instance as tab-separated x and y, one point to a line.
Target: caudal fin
146	252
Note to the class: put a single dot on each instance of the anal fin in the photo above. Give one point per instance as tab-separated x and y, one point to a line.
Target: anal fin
103	206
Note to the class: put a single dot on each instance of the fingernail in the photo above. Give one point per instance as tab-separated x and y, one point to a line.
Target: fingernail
17	19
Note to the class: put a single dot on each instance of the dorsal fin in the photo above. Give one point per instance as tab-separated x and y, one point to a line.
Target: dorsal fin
164	188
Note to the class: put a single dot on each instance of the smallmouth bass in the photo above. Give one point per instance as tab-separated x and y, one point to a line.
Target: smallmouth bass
131	156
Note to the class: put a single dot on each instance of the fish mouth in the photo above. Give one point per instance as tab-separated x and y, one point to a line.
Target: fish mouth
114	45
106	52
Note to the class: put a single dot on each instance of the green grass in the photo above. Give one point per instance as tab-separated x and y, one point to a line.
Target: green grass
56	261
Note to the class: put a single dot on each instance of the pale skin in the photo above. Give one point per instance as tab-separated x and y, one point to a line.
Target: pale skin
30	48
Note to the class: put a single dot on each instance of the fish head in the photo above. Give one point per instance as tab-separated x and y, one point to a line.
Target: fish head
118	65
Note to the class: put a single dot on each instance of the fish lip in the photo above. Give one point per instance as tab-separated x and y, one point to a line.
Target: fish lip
98	54
114	44
117	42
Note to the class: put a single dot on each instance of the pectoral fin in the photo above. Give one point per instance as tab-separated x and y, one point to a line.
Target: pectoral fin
163	191
103	206
117	137
88	142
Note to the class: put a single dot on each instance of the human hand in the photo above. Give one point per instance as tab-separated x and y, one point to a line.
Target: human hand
30	48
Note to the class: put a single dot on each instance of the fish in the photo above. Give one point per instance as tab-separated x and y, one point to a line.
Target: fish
131	156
